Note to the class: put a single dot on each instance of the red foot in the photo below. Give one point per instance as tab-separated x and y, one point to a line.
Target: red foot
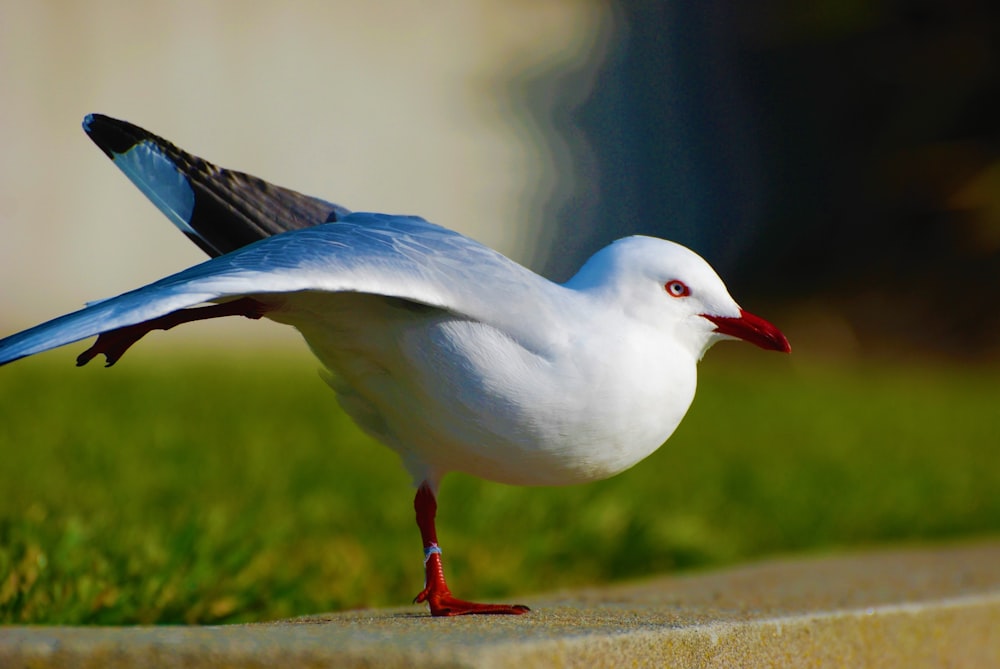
443	604
114	343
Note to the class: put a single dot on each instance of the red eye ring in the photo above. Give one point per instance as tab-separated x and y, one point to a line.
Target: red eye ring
677	288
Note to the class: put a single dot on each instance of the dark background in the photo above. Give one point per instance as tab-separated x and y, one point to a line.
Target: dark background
834	153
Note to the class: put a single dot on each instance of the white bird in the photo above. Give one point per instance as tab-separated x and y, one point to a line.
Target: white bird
446	351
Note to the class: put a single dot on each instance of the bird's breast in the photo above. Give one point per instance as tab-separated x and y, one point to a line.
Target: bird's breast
453	394
579	412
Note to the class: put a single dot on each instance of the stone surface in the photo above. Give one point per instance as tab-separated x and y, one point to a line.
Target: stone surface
902	608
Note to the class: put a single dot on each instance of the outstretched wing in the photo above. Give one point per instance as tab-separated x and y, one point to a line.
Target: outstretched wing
398	256
218	209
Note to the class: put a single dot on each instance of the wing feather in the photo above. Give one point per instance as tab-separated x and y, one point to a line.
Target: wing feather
396	256
220	210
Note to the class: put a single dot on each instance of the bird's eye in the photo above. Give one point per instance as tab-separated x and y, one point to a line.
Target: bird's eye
677	288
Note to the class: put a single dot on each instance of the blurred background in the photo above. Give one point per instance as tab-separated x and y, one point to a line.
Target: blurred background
401	107
837	161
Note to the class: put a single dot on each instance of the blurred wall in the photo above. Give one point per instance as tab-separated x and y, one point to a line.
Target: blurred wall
399	107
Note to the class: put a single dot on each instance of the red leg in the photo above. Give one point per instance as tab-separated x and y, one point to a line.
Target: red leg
435	591
114	343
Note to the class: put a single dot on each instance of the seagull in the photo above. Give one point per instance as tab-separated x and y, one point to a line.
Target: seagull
449	353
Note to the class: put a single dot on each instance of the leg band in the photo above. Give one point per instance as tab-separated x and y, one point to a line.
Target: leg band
431	550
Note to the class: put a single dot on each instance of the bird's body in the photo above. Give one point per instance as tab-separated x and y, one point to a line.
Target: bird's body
446	351
450	393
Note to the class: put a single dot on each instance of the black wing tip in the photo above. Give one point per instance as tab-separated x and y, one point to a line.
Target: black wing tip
113	136
231	209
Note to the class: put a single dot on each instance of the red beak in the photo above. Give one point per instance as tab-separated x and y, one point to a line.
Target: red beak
753	329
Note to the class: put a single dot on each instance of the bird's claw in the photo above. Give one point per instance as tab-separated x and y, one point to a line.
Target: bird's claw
444	604
112	344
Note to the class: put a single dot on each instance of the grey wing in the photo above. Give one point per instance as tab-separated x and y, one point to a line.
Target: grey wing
403	257
220	210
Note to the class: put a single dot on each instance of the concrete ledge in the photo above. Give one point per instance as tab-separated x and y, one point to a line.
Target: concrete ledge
903	608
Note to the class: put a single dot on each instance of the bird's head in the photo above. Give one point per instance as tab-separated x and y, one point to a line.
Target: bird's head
672	287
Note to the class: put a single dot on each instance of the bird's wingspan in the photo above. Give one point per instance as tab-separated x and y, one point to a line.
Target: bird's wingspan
220	210
397	256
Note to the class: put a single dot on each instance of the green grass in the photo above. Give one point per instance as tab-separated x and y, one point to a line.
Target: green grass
229	488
